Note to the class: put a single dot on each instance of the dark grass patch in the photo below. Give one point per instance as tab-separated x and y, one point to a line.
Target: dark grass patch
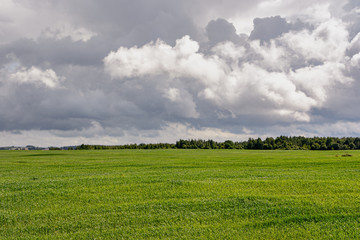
346	155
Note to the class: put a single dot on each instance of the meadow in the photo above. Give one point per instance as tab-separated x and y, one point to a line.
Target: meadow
179	194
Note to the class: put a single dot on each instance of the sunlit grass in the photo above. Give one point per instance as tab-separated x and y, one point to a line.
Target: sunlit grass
179	194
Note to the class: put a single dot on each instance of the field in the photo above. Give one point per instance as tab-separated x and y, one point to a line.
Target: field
179	194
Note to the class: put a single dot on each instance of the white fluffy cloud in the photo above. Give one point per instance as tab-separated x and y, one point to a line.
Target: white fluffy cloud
328	42
182	60
270	84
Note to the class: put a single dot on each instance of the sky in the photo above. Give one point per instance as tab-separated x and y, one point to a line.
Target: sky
147	71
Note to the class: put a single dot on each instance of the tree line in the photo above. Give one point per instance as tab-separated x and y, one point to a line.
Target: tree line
282	142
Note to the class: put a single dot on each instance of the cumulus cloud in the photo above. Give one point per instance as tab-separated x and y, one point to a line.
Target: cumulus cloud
182	60
328	42
280	81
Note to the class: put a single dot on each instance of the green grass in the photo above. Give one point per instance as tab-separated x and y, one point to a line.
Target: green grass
179	194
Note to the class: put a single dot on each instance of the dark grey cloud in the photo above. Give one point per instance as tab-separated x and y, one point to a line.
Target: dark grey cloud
220	30
269	28
58	52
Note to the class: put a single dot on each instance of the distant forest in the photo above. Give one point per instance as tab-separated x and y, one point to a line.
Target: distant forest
282	142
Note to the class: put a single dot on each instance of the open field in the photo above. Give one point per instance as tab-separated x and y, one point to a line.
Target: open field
179	194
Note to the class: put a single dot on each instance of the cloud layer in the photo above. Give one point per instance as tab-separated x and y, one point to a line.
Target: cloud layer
151	71
286	77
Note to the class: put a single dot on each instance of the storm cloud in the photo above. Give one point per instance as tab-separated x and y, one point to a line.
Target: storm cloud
115	72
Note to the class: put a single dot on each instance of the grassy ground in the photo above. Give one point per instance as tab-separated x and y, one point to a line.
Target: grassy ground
179	194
